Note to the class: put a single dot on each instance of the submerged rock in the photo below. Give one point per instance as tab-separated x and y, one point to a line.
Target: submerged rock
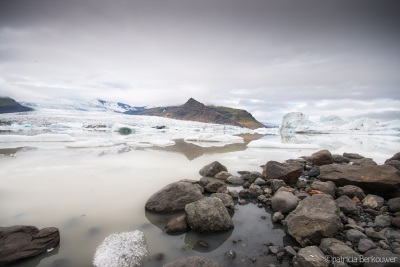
173	197
20	242
127	249
194	261
177	225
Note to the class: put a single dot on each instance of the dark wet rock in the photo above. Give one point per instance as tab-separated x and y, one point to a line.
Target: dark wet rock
365	162
208	215
212	169
365	244
371	233
396	222
223	189
383	221
234	180
310	256
234	194
381	254
322	157
243	172
259	181
177	225
226	199
21	242
288	172
395	157
173	197
346	205
284	202
314	218
354	235
204	181
250	193
373	202
340	159
393	163
223	175
376	179
314	172
352	155
290	251
391	234
276	184
213	187
202	244
277	216
394	204
194	261
351	191
337	248
326	187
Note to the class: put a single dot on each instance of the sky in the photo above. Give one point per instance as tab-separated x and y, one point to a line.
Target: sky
270	57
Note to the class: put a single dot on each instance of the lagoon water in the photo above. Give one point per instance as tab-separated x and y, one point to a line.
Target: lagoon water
90	193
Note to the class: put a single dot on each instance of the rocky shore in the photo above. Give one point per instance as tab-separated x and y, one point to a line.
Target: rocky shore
343	210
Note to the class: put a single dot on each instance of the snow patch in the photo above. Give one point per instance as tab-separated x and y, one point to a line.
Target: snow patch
92	143
37	138
127	249
269	144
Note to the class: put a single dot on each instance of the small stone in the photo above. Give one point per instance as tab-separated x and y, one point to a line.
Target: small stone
263	217
354	235
242	202
259	181
383	244
202	244
277	217
290	251
383	221
372	202
273	249
365	244
230	254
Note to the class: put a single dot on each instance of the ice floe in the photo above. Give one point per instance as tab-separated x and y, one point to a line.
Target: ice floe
270	144
207	137
92	143
162	143
37	138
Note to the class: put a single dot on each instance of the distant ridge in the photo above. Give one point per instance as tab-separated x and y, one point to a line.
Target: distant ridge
9	105
193	110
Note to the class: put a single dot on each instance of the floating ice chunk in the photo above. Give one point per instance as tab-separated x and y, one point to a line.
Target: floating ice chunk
37	138
127	249
162	143
92	143
207	137
269	144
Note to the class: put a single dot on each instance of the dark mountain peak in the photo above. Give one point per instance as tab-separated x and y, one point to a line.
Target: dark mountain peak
193	102
9	105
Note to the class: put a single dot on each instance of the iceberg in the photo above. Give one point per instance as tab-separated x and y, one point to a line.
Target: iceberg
92	143
207	137
270	144
127	249
37	138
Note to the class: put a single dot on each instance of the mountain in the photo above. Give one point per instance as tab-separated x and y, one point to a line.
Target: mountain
119	107
9	105
193	110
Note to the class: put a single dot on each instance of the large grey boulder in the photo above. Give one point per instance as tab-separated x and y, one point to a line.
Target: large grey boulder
376	179
326	187
315	217
208	215
394	204
346	205
310	256
288	172
351	191
234	180
213	187
194	261
173	197
392	260
321	157
212	169
21	242
284	202
122	249
226	199
337	248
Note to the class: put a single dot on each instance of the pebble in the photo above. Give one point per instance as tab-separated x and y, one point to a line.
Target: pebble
230	254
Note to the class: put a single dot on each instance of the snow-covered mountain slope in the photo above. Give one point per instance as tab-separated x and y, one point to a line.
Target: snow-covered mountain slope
297	122
118	106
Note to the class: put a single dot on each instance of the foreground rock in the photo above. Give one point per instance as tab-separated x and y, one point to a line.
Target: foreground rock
122	249
376	179
177	225
315	217
208	215
322	157
382	255
336	248
212	169
20	242
173	197
287	172
284	202
310	257
194	261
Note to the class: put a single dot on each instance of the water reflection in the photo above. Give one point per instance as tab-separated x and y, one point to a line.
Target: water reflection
213	240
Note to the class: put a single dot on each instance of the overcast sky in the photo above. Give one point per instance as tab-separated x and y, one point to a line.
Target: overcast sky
269	57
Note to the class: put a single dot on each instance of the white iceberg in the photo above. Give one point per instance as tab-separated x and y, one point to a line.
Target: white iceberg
92	143
127	249
270	144
207	137
162	143
37	138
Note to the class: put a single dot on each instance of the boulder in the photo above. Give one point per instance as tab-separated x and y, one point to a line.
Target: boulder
194	261
364	162
383	221
340	159
395	157
314	172
346	205
213	187
259	181
373	202
234	180
122	249
223	175
212	169
354	235
277	217
326	187
310	256
365	244
226	199
21	242
208	215
284	202
250	193
322	157
393	163
394	204
173	197
375	179
394	259
177	225
314	218
352	155
288	172
336	248
276	184
351	191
